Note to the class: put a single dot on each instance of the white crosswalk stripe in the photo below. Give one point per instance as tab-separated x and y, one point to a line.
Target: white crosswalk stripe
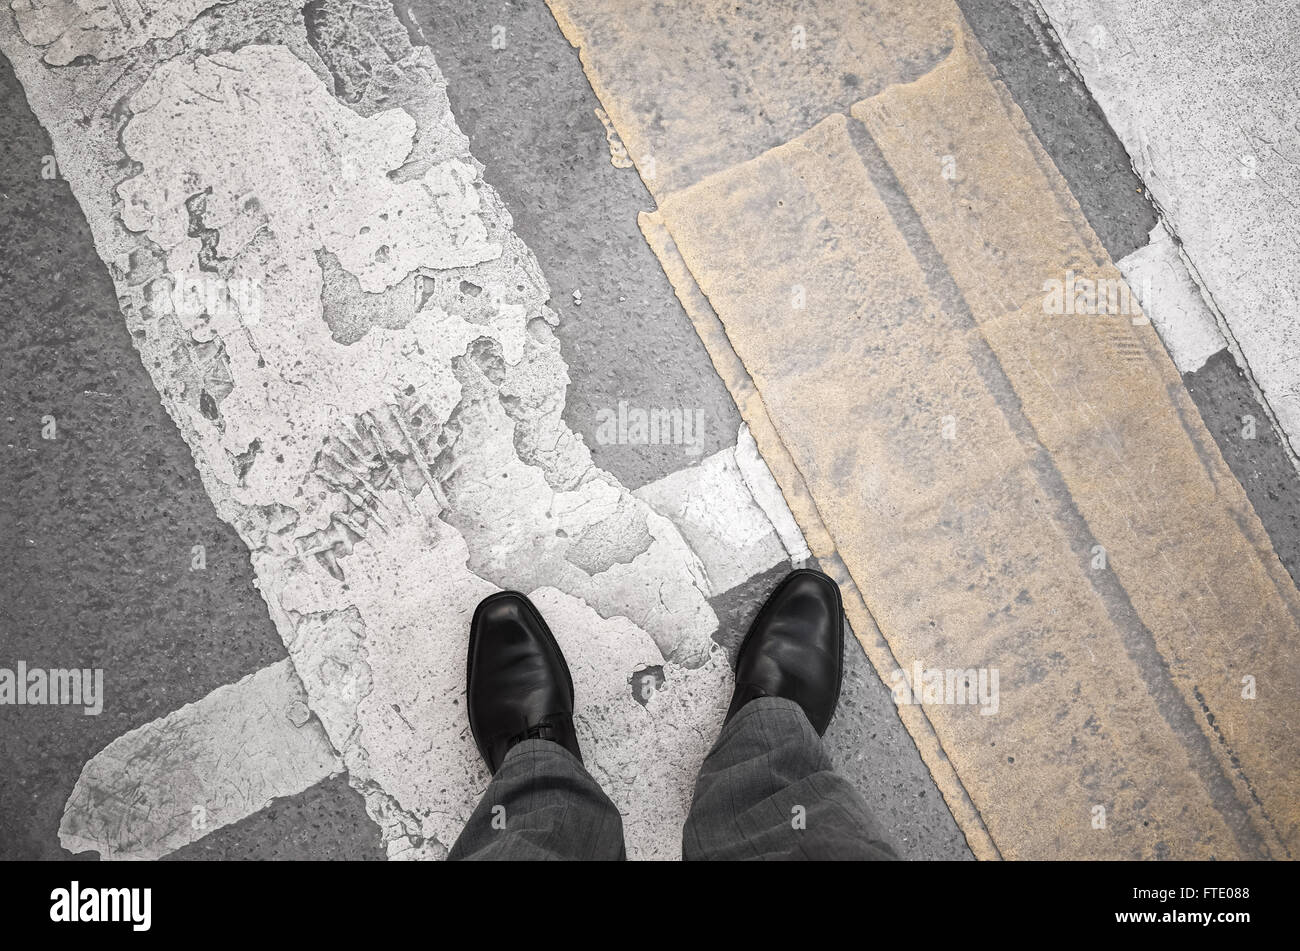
386	484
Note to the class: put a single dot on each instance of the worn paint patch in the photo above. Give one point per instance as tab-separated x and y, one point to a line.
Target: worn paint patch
270	218
618	156
101	29
170	782
387	468
1173	301
1196	594
720	518
695	86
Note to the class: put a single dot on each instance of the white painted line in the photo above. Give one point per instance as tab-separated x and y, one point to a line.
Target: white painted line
208	764
715	510
711	504
768	495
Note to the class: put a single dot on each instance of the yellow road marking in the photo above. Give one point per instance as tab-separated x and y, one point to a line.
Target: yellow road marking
872	289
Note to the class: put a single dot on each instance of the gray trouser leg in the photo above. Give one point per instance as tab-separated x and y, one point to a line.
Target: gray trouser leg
541	805
767	790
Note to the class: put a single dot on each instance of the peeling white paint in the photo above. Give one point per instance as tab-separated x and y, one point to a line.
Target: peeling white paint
210	763
101	29
717	513
645	757
283	170
352	667
383	485
1172	301
618	156
762	484
384	663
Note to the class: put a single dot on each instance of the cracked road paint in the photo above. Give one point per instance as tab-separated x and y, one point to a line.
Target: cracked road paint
389	466
364	684
191	124
101	29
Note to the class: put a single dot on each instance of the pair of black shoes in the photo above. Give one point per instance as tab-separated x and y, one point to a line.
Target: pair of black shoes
520	688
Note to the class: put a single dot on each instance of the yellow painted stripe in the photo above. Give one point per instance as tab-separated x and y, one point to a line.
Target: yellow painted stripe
696	86
872	291
804	508
1213	604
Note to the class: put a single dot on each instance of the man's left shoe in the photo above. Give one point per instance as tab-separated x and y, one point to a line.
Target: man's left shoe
519	684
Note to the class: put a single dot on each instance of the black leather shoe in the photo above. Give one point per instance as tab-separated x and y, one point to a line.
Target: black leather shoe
519	684
795	648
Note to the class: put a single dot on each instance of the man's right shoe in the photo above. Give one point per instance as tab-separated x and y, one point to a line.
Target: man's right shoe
795	648
519	687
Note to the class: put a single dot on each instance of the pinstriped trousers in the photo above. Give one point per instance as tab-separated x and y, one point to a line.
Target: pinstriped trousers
766	791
